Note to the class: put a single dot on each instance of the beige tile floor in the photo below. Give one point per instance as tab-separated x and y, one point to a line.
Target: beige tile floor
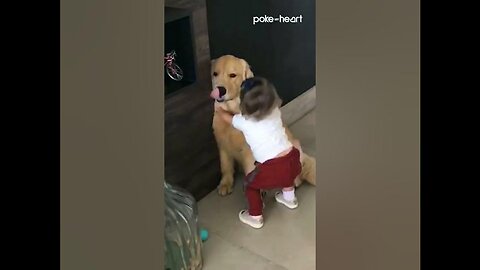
287	239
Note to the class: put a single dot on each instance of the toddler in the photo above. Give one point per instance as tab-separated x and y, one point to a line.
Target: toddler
277	161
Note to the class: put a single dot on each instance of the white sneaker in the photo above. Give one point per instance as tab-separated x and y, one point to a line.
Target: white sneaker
249	220
290	204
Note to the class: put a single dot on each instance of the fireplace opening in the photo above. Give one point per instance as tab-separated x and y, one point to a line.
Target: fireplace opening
178	38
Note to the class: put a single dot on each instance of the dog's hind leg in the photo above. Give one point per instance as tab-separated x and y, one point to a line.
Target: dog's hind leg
308	166
309	170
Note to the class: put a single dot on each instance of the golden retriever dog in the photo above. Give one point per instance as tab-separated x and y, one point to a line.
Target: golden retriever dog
228	72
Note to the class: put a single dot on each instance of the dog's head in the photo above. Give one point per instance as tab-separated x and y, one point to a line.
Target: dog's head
227	73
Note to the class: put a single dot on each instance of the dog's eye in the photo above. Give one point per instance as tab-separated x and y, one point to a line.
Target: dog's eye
215	74
232	75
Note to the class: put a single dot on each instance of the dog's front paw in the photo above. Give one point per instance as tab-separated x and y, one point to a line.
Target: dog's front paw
225	189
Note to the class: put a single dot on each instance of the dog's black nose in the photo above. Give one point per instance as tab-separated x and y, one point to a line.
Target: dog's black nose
222	91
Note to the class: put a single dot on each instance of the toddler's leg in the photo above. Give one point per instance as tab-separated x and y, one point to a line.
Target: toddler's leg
252	216
287	197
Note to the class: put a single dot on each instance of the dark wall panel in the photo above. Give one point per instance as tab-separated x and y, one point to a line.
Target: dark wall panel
281	52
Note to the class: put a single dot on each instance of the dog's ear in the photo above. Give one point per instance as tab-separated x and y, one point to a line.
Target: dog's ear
248	70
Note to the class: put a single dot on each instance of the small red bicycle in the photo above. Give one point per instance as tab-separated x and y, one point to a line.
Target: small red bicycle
173	70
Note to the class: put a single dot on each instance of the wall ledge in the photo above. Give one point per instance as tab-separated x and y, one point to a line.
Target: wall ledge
298	107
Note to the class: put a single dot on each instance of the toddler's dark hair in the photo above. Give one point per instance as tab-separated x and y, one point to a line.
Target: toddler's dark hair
258	98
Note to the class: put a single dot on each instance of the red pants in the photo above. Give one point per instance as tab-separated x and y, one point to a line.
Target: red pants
273	173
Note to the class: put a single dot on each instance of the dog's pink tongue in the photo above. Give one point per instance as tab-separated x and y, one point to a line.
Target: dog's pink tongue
215	94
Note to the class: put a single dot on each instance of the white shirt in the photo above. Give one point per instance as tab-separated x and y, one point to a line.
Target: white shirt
266	138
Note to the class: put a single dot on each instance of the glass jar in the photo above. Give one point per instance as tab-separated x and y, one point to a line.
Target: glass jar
183	246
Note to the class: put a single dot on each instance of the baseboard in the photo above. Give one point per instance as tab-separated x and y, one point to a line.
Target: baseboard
298	107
